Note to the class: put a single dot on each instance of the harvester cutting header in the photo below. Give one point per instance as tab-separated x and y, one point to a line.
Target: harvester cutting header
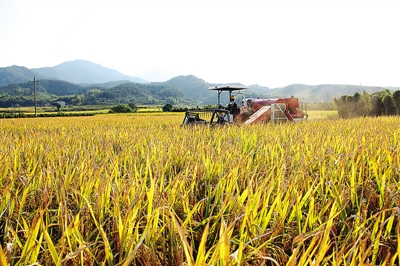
250	110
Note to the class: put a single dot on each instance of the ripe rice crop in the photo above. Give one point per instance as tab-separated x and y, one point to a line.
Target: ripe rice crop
141	190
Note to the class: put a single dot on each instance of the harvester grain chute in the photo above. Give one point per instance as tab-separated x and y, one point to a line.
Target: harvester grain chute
250	111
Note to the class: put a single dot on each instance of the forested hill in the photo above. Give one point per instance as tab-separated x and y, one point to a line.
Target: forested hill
16	74
49	91
81	71
83	82
198	89
181	90
323	92
192	86
77	71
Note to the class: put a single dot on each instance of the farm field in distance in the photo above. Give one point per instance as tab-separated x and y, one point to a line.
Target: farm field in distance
86	109
139	189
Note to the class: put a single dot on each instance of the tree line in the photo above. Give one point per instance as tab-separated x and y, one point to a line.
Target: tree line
49	92
378	103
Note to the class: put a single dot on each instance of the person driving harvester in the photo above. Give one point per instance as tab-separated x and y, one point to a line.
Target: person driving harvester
232	108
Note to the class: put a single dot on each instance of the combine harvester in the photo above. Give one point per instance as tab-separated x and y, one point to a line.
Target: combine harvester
251	110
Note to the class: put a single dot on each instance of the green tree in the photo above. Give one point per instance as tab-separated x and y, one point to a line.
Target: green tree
120	108
359	109
396	99
133	107
366	103
341	106
376	104
170	100
167	108
389	105
350	106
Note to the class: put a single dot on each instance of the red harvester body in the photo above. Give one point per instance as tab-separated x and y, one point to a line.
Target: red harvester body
251	110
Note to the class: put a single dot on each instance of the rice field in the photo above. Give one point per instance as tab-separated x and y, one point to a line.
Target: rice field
141	190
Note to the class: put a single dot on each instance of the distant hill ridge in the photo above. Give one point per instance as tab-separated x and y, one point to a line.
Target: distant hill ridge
323	92
77	71
90	75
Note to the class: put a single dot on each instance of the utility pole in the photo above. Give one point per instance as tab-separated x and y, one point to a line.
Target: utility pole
34	93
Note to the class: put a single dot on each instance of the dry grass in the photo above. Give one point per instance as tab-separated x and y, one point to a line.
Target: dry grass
117	190
322	115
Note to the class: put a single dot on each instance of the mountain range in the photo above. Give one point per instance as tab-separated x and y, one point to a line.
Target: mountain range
80	77
77	71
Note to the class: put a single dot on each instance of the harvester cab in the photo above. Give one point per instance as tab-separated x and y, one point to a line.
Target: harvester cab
250	110
220	115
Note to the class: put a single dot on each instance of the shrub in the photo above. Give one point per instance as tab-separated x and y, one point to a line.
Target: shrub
133	107
121	108
167	107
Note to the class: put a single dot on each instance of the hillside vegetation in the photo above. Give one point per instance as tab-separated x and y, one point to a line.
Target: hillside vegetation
82	82
321	93
181	90
376	104
77	71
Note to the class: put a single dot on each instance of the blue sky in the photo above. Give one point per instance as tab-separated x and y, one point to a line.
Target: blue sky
271	43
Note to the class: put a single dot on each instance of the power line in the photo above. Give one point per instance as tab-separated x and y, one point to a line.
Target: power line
34	92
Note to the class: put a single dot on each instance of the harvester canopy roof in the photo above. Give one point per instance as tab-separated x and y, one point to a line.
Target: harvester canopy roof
228	88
